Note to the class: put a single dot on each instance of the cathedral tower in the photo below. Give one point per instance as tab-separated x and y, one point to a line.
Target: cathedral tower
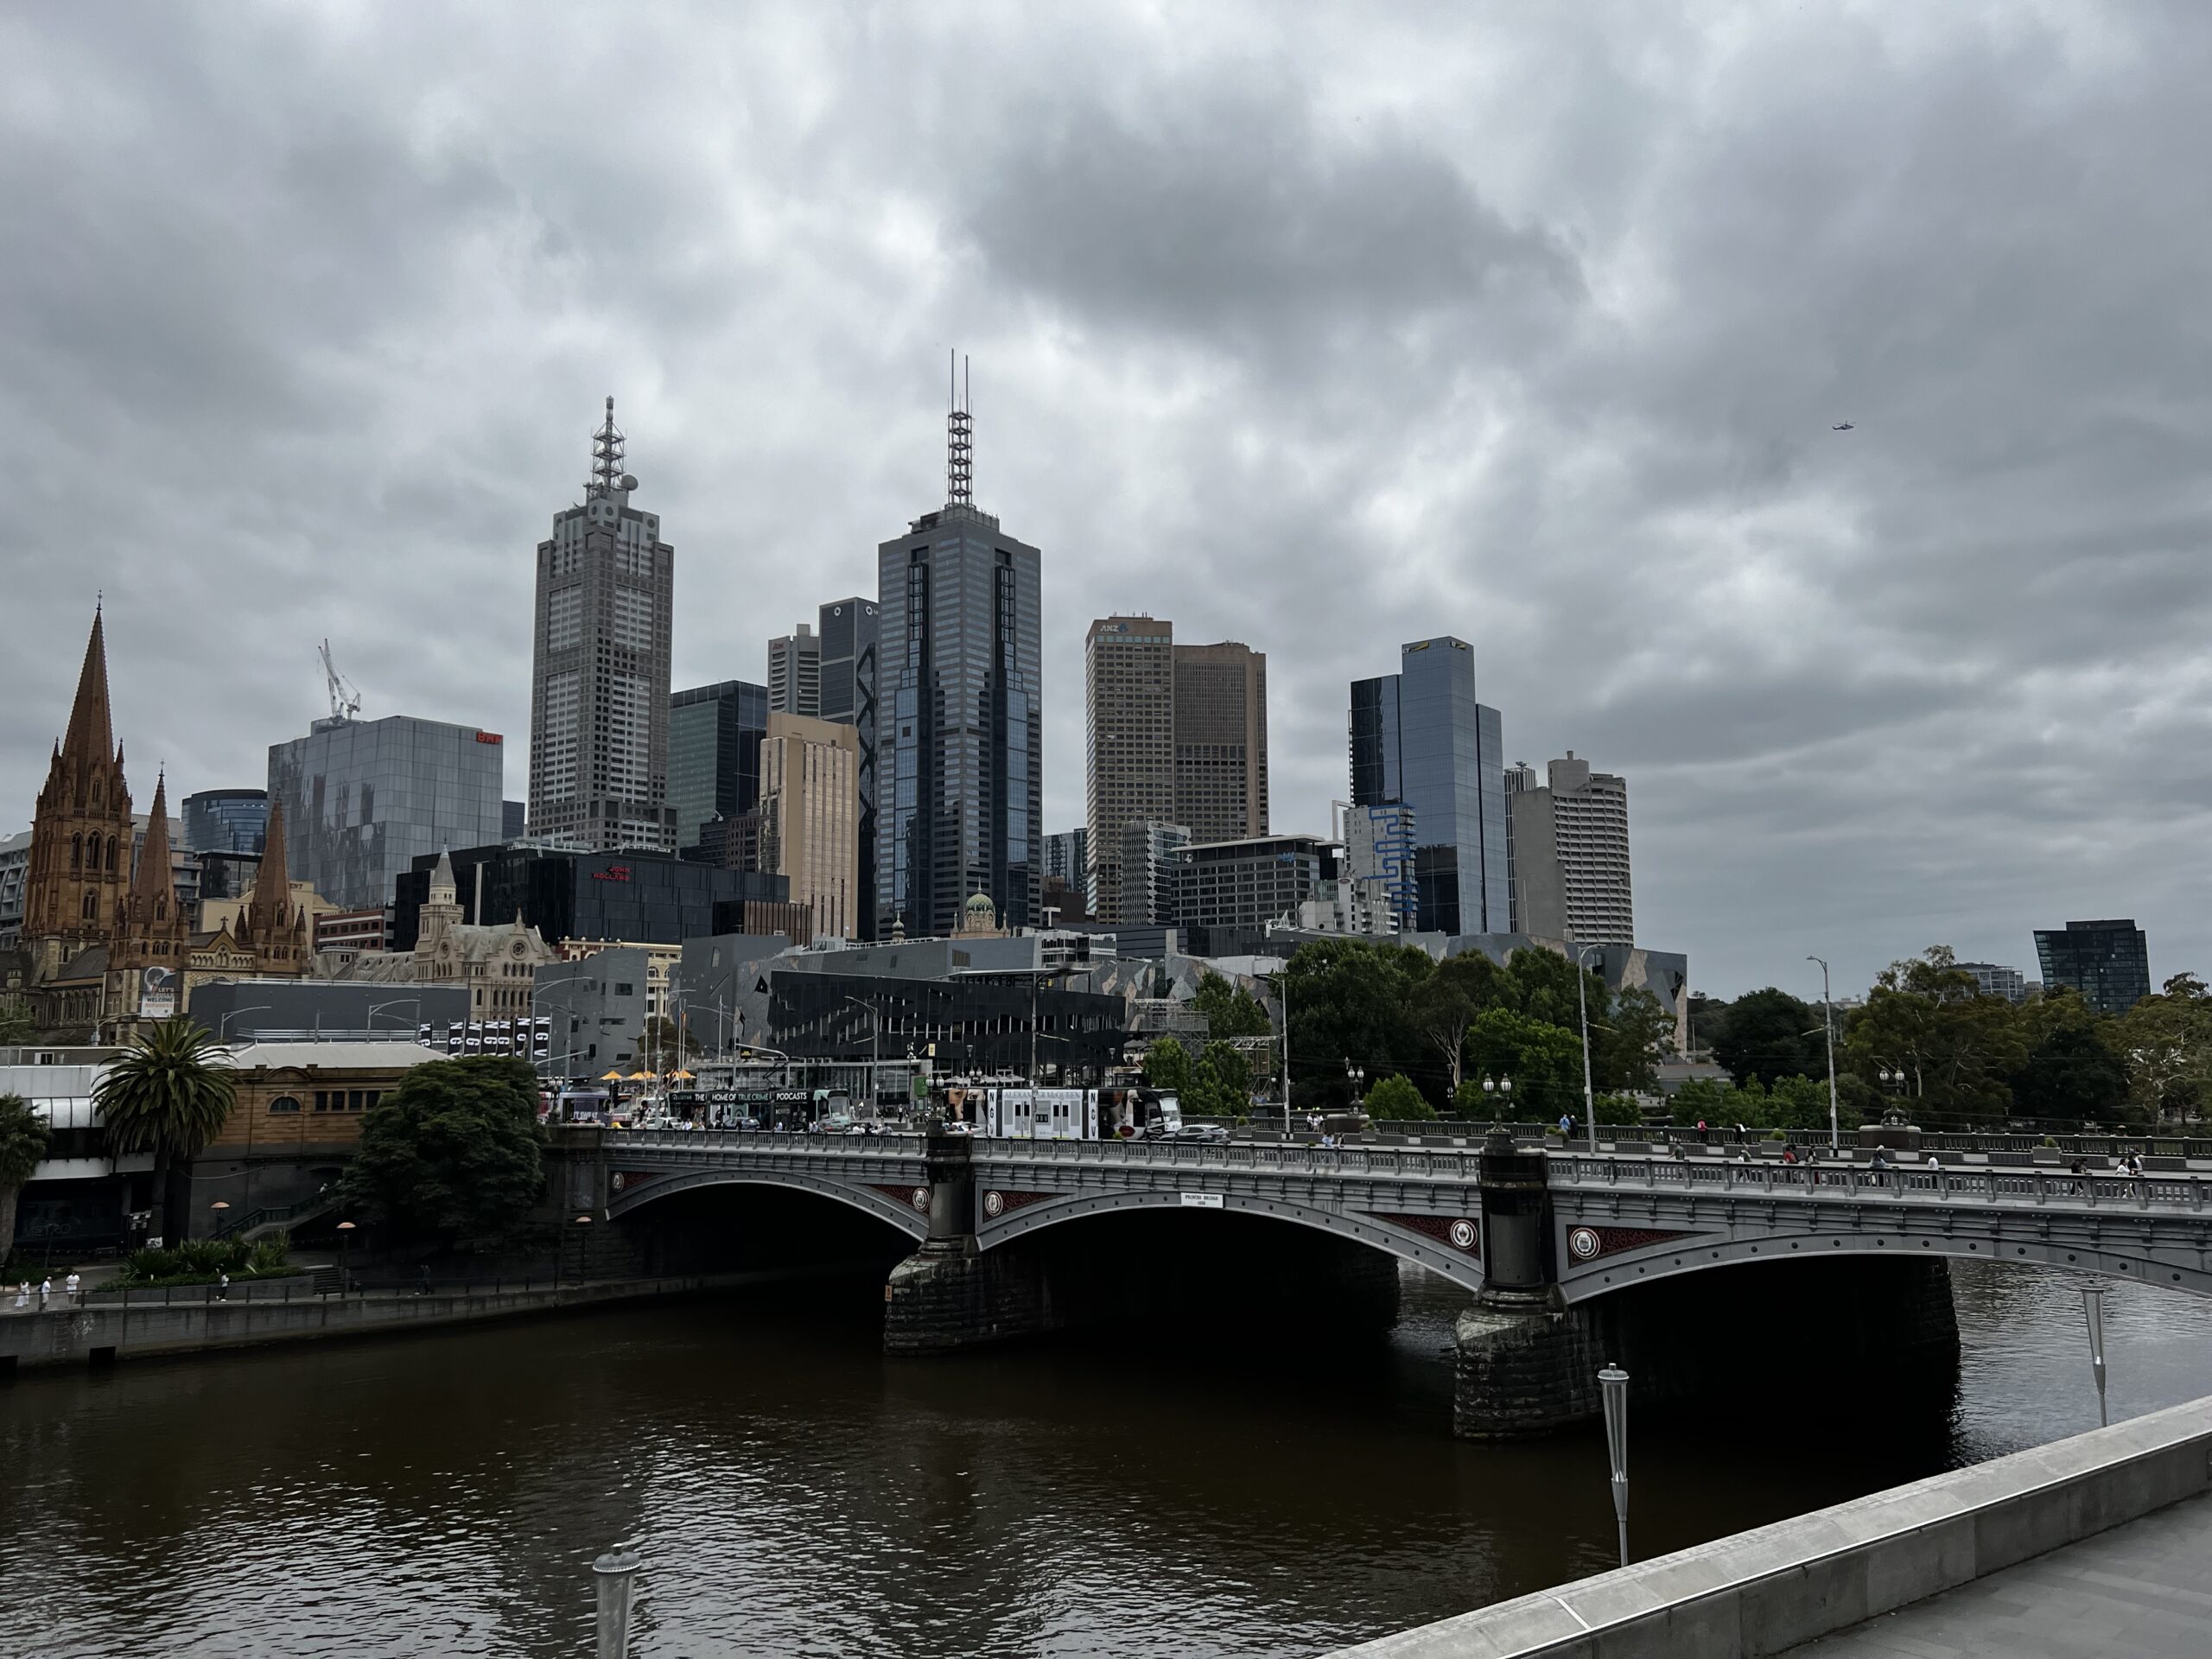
80	836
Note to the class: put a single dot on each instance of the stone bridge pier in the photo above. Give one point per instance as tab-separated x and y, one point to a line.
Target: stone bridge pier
1752	1335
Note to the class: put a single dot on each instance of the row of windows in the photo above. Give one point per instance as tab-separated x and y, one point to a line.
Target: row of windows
331	1100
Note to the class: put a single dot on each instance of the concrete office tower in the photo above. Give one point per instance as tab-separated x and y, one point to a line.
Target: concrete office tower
363	799
795	673
1152	860
713	755
1221	740
810	817
1420	739
2000	979
1128	747
1378	844
1570	857
599	676
2108	962
851	641
960	724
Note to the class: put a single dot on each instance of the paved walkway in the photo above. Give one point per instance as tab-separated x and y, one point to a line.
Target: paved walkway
2142	1590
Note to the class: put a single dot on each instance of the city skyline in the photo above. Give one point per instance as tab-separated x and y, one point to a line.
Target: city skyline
1773	631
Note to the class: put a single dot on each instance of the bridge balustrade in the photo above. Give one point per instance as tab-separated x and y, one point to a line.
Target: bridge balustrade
1902	1183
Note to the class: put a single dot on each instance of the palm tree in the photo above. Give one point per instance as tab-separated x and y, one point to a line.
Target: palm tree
167	1095
22	1143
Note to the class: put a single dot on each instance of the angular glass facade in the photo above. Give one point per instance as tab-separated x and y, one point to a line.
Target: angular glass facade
635	898
226	821
365	798
1420	738
850	638
2108	962
961	730
713	753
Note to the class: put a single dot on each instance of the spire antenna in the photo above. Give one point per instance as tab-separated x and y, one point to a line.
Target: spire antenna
959	432
606	447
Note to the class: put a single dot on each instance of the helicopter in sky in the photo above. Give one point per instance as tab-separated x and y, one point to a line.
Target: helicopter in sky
1843	426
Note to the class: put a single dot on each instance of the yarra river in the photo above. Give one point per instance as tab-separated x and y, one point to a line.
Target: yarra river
794	1493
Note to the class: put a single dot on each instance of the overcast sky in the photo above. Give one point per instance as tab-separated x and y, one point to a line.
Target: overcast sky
1322	328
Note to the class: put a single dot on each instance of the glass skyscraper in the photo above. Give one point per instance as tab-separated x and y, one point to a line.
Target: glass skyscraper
2108	962
364	798
850	639
225	821
960	730
713	753
1420	739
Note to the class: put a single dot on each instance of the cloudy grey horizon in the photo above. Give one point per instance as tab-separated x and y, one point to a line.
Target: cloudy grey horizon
1324	331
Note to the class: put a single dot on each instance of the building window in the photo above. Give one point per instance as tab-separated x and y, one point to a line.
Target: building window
285	1103
322	1100
354	1100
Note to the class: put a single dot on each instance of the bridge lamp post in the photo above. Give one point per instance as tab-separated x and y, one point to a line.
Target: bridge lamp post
345	1256
1501	1087
1612	1384
1828	1029
2092	1308
1582	1006
1356	1077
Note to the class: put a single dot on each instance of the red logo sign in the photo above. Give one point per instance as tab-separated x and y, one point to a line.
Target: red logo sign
487	737
611	873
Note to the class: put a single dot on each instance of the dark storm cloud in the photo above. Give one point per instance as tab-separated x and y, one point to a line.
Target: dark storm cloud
1526	326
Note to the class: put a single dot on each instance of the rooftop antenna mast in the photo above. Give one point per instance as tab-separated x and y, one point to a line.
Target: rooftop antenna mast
606	445
959	433
345	701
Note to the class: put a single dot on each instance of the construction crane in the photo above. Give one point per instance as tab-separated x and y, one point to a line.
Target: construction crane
345	701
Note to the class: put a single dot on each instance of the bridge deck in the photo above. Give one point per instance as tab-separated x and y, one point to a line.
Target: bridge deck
2142	1589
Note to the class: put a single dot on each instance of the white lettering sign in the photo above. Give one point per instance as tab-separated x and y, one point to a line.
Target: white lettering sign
1203	1200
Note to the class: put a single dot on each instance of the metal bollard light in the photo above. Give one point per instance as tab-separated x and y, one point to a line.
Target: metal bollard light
2093	1309
616	1575
1613	1383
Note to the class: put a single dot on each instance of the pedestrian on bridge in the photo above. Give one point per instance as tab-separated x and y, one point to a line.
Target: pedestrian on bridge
23	1295
72	1286
45	1290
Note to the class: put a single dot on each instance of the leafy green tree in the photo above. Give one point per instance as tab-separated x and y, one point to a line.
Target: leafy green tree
454	1152
16	1026
672	1045
167	1094
1713	1101
1959	1050
1628	1042
1167	1066
1617	1108
22	1143
1348	999
1542	985
1231	1011
1770	1033
1396	1098
2166	1039
1544	1061
1221	1083
2072	1072
1446	1003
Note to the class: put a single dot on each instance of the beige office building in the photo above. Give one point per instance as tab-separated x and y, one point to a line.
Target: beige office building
1566	848
810	816
1221	741
1129	745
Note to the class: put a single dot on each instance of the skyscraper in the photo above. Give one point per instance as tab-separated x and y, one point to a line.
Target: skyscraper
1420	738
959	716
810	816
1221	740
795	673
1569	854
226	821
850	636
600	675
2108	962
713	755
1129	747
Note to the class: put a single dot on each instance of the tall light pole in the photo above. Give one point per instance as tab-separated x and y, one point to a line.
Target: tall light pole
223	1025
874	1050
1612	1384
2092	1306
375	1008
1582	1006
1827	1027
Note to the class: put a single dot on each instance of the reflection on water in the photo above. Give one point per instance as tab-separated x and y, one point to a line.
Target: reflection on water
794	1492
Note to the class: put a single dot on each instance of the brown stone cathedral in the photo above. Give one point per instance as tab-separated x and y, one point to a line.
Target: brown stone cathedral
105	950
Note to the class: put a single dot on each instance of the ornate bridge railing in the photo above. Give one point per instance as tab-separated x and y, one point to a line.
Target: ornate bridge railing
1931	1183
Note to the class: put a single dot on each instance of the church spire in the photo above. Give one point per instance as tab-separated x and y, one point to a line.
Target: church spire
91	734
272	888
155	877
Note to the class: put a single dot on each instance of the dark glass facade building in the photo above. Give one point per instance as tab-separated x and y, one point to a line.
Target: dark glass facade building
2108	962
226	821
635	898
850	640
713	753
1420	739
960	739
977	1025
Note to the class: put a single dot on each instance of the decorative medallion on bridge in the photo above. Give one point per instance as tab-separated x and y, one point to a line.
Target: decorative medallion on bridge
918	1196
622	1181
997	1203
1593	1243
1459	1232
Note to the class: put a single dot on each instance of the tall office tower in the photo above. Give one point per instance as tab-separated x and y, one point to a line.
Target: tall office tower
1221	740
362	799
810	817
1067	857
1420	739
226	821
960	727
514	818
1129	746
1153	856
1378	844
849	640
795	673
713	755
1570	859
2109	962
599	690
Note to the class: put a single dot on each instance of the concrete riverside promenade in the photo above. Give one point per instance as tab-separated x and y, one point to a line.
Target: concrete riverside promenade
1778	1588
103	1329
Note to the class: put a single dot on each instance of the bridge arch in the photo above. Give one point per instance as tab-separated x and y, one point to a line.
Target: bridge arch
2166	1268
1462	1267
866	1199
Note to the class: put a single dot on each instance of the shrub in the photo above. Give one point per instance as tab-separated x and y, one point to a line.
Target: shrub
1394	1097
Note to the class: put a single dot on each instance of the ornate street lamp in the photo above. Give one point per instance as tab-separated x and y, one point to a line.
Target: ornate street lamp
1612	1383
